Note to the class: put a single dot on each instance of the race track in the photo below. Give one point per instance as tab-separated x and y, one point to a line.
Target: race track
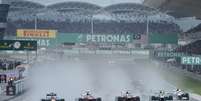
105	77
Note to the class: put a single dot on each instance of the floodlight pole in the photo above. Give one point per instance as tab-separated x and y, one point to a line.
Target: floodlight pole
147	29
92	25
35	22
27	56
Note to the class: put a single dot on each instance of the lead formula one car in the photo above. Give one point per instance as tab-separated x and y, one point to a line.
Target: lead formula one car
89	97
161	96
181	95
52	97
127	97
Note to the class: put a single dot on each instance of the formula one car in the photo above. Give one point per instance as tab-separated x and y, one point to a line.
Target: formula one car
180	95
89	97
52	97
161	96
127	97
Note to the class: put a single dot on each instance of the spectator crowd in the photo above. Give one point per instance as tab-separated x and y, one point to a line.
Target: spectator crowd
100	27
8	64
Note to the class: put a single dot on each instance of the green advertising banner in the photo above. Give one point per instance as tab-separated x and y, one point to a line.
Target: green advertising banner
163	38
96	38
41	42
69	38
190	60
18	45
109	38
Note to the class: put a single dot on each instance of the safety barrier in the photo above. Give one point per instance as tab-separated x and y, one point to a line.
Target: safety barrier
15	87
108	52
2	88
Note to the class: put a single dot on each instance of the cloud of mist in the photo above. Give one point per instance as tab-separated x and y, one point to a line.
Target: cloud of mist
69	79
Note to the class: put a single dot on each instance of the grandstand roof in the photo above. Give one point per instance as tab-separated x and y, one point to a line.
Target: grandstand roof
25	5
194	30
177	8
61	10
130	7
66	6
74	6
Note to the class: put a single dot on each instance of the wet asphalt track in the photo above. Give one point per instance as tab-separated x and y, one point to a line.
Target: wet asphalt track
103	76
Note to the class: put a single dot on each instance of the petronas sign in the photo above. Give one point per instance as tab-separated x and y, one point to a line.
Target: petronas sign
109	38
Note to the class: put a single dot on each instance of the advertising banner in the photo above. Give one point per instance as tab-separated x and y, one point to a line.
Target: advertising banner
32	33
70	37
168	54
42	42
163	38
109	38
96	38
190	60
18	45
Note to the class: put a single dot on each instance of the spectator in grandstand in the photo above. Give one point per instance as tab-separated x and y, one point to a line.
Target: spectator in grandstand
8	65
3	78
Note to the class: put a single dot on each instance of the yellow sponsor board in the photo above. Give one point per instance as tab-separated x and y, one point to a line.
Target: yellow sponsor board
32	33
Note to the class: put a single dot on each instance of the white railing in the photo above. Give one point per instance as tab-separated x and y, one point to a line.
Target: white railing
108	52
20	86
2	88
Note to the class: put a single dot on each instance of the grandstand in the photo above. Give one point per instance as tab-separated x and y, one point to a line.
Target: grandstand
3	18
78	17
64	16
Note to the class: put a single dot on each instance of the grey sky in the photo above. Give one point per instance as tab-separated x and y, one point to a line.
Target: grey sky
98	2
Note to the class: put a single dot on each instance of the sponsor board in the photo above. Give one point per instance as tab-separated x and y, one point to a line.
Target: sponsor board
109	38
97	38
190	60
163	38
168	54
42	42
32	33
18	45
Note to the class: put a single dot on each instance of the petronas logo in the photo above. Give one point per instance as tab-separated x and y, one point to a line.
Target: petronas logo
80	37
17	45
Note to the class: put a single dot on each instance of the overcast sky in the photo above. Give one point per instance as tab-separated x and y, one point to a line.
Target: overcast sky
98	2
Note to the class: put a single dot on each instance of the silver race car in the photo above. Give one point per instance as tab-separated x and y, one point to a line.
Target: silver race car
181	95
161	96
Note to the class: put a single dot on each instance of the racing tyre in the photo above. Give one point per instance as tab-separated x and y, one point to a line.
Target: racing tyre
80	99
137	98
154	98
162	99
61	100
170	98
119	99
179	97
187	96
98	99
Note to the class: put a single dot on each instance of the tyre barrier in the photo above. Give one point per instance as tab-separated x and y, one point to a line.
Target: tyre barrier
15	87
